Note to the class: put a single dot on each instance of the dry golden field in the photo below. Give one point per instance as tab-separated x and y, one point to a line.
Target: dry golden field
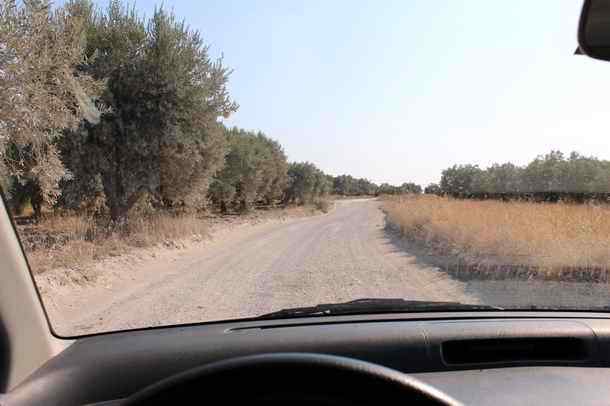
539	234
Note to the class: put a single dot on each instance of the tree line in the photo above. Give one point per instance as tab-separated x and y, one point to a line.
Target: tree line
554	174
103	105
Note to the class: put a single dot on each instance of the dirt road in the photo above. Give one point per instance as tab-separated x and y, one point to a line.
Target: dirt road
344	255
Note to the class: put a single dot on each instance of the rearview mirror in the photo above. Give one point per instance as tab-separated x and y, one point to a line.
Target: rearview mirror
594	29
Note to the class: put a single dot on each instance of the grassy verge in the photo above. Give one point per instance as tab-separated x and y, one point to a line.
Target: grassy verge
72	240
548	236
69	241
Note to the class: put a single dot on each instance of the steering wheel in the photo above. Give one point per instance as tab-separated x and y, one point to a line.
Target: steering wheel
290	379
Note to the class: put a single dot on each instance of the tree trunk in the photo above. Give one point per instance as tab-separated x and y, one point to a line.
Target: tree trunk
243	206
37	208
36	200
118	213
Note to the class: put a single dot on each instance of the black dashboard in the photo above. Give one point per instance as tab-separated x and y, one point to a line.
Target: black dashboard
475	357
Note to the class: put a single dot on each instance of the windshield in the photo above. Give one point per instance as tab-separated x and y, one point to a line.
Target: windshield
188	161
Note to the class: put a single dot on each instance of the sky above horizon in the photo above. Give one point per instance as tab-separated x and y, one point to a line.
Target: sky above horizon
397	91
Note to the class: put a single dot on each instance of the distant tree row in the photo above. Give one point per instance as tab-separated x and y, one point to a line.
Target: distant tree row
346	185
405	188
553	172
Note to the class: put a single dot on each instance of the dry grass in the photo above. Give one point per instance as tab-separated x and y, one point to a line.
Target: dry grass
324	205
520	233
74	240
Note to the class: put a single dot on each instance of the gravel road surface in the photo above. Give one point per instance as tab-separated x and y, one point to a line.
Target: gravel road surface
344	255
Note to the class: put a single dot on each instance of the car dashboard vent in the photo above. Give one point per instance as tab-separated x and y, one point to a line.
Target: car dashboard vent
503	350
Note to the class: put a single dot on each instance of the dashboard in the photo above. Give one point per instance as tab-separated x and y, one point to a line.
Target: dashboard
478	358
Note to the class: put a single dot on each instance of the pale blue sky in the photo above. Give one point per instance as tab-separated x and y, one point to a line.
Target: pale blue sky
398	90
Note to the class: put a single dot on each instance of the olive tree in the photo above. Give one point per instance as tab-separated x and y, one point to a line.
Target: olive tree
305	183
41	94
255	170
159	134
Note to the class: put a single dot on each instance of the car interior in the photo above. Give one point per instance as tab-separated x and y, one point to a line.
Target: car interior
478	356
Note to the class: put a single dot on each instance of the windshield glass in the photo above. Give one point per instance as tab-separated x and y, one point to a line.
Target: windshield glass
198	161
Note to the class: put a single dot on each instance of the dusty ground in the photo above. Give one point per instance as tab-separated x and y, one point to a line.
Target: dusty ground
247	271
